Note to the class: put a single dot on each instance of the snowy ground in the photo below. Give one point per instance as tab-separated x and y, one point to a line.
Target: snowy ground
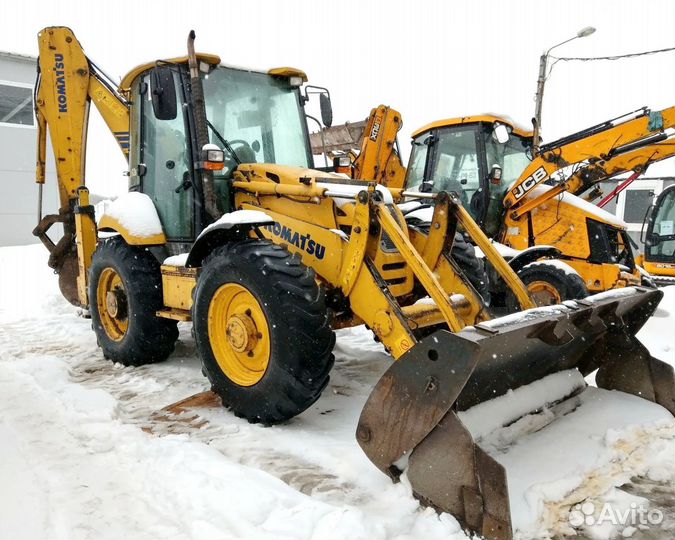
86	452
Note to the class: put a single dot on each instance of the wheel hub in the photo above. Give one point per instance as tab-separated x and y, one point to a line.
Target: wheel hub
116	304
242	333
544	293
238	333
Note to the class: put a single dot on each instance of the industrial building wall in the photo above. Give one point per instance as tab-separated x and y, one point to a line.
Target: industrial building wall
19	196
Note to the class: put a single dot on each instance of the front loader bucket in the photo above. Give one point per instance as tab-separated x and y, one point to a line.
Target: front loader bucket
410	420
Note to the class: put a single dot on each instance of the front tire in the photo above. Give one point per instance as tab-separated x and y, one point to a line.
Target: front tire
125	292
262	330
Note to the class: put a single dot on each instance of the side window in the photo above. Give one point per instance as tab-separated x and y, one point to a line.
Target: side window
16	104
664	227
456	165
418	158
164	152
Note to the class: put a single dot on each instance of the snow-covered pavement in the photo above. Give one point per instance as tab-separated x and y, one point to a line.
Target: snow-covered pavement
85	451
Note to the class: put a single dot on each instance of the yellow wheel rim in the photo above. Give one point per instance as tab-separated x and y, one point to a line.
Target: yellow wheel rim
113	306
544	294
239	334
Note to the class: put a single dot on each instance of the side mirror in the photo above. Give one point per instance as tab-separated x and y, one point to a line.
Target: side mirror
500	133
163	93
326	110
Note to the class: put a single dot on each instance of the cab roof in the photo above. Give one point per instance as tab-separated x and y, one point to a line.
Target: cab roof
128	79
489	118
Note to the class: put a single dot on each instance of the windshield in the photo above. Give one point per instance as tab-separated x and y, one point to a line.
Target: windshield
259	115
454	167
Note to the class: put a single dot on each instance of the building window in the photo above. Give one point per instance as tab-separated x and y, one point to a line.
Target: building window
16	104
637	202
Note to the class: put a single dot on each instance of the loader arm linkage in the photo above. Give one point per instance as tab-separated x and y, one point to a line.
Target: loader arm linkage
360	280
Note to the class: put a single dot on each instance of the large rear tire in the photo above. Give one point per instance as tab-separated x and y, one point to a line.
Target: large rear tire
262	330
125	292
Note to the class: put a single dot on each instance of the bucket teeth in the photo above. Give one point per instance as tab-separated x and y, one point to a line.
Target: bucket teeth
411	412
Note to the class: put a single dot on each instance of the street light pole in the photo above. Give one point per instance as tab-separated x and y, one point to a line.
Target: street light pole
541	81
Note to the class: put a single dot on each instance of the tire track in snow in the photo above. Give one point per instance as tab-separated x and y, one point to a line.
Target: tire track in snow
143	391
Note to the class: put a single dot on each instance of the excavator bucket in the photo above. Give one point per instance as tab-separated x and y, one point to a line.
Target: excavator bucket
68	272
411	421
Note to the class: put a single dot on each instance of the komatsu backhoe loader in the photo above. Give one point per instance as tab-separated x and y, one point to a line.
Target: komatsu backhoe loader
658	235
516	197
225	225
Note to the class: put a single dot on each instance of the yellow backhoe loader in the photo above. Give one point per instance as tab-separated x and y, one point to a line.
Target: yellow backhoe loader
225	225
658	235
532	203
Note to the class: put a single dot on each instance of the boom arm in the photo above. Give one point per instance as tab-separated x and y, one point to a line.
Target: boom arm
67	83
608	149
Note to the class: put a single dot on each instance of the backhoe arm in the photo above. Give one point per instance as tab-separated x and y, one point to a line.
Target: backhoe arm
67	83
602	151
637	160
379	158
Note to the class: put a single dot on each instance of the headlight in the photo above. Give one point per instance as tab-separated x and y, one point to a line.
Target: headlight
215	155
213	158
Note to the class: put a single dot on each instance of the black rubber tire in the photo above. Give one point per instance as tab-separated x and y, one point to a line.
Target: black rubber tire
464	254
301	339
569	286
148	338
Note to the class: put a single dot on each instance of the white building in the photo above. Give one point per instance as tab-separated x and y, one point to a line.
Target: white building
19	195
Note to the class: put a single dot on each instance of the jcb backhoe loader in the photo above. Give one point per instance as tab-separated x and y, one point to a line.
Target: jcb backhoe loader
516	197
268	256
659	239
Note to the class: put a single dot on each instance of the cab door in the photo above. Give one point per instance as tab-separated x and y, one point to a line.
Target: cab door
660	239
633	203
161	161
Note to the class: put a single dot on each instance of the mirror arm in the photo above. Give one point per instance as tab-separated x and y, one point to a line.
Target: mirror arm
323	139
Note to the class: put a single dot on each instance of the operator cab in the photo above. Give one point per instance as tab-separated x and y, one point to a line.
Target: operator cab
660	238
477	157
253	117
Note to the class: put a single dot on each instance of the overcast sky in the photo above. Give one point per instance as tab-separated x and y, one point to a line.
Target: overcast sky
429	60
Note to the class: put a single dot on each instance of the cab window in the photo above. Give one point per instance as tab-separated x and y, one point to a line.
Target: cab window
661	245
165	155
417	162
456	166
